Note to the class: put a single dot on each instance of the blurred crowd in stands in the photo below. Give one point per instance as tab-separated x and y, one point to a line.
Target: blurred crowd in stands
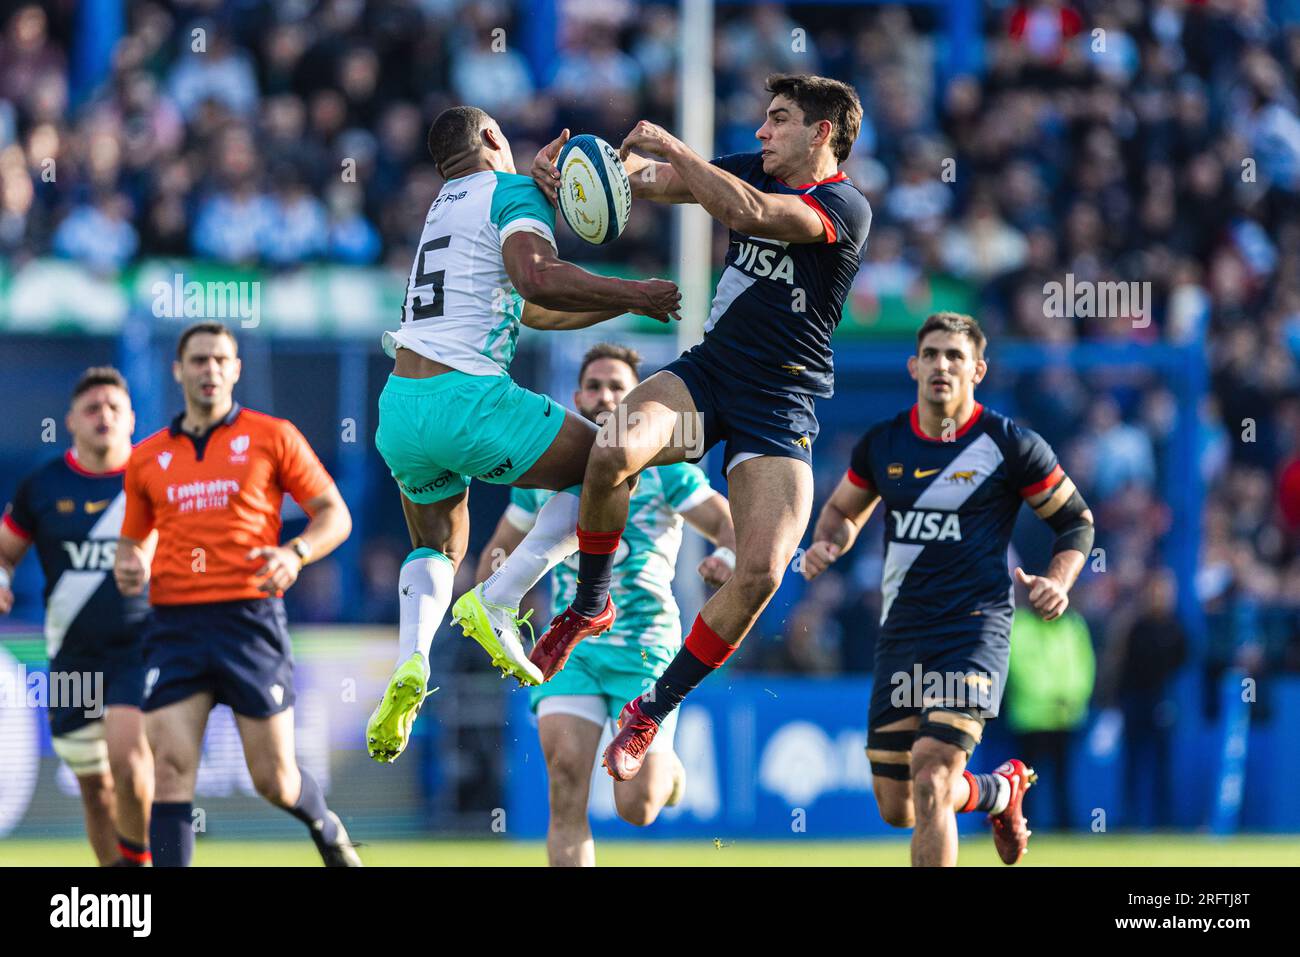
1155	143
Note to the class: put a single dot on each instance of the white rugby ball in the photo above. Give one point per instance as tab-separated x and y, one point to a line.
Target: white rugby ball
595	196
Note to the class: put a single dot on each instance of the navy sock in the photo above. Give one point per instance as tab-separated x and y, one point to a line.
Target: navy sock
681	676
171	834
987	784
702	654
311	810
595	571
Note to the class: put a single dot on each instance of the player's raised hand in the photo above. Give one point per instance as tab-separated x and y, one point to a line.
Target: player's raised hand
544	171
279	570
6	600
648	138
715	571
662	300
129	570
1048	596
819	557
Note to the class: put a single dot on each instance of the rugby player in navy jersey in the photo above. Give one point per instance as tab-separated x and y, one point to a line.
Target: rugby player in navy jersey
70	510
952	475
797	230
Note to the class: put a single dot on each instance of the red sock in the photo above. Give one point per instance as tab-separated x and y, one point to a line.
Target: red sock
596	554
137	854
702	654
704	643
598	543
974	797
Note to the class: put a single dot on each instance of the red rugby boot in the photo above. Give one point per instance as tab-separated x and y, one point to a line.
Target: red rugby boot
1010	828
625	753
567	629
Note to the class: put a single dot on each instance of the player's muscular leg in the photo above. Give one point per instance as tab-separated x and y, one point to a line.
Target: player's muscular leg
938	789
132	766
569	745
894	797
442	526
97	803
564	462
640	800
175	735
269	754
771	500
643	432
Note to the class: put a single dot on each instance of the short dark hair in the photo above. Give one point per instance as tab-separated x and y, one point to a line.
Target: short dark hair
822	98
455	131
957	323
611	350
210	328
96	376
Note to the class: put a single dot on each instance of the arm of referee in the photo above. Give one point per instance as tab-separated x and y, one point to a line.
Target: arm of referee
138	536
329	521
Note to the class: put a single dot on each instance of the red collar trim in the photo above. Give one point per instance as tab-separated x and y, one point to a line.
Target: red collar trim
80	469
833	179
916	423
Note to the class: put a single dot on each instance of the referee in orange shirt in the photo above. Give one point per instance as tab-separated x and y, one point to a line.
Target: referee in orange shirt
212	484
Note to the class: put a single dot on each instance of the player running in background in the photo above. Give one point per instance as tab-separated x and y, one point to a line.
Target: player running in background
450	412
71	510
952	475
211	484
798	227
605	672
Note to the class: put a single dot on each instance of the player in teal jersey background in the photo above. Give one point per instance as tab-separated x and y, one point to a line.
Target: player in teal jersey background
606	671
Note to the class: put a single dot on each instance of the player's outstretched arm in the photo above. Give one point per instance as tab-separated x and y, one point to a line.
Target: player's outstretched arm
838	525
556	286
712	519
12	549
649	180
657	182
537	317
503	542
727	198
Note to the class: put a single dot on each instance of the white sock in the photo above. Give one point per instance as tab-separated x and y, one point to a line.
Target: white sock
423	594
553	538
1004	795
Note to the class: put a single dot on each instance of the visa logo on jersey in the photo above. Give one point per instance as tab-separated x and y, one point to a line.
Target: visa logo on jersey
927	526
762	261
95	556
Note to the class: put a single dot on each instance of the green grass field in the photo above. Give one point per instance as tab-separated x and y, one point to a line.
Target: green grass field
1092	850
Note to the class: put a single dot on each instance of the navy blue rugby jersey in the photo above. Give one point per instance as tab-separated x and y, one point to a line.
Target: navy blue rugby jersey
950	507
73	519
777	304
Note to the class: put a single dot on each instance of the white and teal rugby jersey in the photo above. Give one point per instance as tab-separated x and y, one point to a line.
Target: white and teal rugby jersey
646	559
460	308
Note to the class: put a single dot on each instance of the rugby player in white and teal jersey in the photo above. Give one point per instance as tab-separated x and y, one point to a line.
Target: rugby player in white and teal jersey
605	671
450	412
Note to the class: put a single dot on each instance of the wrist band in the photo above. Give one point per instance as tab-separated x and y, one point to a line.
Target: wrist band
727	556
4	578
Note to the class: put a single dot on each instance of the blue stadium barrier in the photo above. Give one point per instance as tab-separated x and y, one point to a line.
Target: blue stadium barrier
766	755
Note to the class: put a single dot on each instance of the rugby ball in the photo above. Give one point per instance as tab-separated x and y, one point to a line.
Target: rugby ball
595	196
